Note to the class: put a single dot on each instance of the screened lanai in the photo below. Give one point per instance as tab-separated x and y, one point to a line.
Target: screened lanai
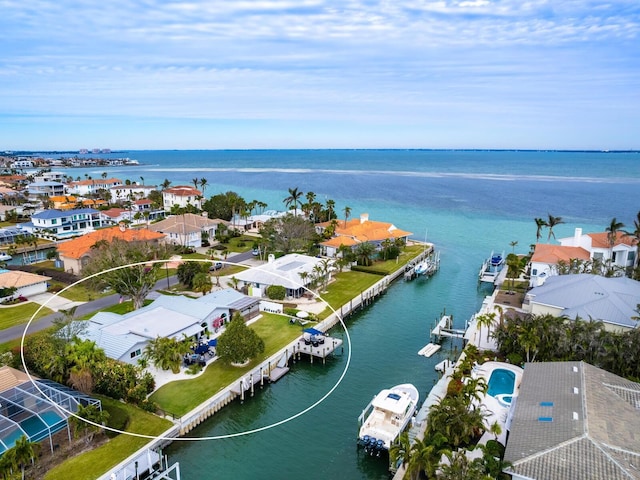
26	410
8	235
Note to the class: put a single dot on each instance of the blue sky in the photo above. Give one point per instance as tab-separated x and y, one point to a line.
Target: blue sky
156	74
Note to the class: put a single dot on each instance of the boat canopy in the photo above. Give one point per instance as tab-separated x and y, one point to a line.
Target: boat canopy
313	331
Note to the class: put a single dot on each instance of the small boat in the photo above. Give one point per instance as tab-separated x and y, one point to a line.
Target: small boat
386	417
491	267
5	257
429	349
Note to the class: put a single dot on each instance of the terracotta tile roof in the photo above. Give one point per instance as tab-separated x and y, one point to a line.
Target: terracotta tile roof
182	190
341	240
97	181
552	254
601	240
17	279
78	247
114	212
366	231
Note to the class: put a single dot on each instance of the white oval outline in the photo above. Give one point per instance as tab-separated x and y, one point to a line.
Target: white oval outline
181	438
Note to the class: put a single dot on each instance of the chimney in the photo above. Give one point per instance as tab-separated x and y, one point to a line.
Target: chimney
577	237
364	217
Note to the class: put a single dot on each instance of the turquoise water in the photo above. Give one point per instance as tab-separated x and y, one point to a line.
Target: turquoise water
501	382
468	203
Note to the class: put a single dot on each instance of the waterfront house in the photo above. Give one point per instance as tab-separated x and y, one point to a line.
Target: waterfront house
25	283
8	235
187	229
76	253
293	271
621	254
59	224
124	337
181	196
589	249
547	258
574	421
356	231
612	300
228	301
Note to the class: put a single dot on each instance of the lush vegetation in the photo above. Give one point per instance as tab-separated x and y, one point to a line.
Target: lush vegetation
239	343
546	338
454	426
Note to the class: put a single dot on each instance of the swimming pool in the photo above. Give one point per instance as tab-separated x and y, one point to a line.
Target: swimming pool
501	382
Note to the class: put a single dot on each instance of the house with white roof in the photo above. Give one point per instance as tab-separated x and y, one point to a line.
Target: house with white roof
61	224
124	337
612	300
228	301
293	271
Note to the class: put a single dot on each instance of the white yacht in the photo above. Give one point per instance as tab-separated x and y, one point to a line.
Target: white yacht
386	417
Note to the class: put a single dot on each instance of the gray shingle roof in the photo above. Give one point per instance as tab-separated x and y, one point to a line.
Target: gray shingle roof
575	421
612	300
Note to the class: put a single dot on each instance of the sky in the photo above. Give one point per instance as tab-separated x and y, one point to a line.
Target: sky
159	74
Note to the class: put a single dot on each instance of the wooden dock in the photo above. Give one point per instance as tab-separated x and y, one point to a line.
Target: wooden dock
430	256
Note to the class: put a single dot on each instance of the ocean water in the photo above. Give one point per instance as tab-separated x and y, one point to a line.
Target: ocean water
467	202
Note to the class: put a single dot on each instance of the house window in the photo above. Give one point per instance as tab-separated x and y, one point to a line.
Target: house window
597	255
54	221
136	353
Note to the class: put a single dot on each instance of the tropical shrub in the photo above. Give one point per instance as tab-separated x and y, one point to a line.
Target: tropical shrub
239	343
276	292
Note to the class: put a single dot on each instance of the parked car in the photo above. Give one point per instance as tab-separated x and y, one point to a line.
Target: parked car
216	266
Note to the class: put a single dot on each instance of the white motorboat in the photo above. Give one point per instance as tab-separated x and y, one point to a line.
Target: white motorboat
386	417
5	257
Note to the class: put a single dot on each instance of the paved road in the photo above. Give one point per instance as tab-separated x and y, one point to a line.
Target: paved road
99	304
88	307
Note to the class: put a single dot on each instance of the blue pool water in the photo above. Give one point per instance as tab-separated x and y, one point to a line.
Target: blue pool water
501	382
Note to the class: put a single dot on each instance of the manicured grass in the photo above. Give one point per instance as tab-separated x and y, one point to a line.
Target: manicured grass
182	396
92	464
10	316
233	244
348	285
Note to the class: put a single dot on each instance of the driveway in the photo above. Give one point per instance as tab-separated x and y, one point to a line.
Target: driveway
55	303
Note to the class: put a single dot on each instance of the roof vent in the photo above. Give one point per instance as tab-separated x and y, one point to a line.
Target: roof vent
575	416
575	369
576	390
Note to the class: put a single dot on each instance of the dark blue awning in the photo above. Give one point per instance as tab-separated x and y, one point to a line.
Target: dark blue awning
313	331
213	343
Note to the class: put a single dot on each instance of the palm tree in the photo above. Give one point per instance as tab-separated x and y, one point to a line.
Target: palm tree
364	253
203	184
400	451
612	235
142	180
294	199
540	224
24	452
166	353
635	235
347	212
331	206
552	222
165	184
485	320
513	244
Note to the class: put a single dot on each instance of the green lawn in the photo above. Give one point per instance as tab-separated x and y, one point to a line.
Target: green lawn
348	285
92	464
182	396
10	316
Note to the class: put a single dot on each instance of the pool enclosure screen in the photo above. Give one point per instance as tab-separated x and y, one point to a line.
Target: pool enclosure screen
24	410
